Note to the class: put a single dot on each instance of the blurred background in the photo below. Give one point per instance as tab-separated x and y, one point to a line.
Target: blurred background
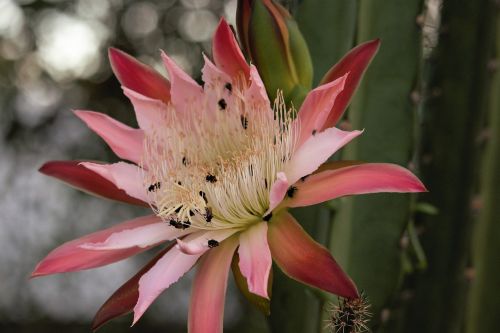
427	263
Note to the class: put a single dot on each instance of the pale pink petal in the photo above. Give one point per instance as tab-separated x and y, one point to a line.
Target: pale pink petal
215	87
226	52
316	108
255	258
256	93
125	176
206	311
356	179
315	151
168	270
70	257
150	113
78	176
126	142
143	236
185	91
304	260
212	75
277	192
197	243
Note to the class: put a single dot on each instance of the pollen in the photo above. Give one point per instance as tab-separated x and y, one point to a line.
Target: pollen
216	168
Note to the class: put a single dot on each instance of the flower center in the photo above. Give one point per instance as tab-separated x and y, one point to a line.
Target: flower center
211	164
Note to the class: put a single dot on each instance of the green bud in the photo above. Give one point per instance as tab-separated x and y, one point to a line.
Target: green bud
273	42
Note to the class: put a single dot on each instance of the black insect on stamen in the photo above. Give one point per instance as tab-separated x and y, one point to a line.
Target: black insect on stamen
222	104
212	243
304	178
178	209
204	196
173	222
154	187
314	132
268	217
291	191
229	87
186	224
185	161
210	178
244	121
208	214
265	182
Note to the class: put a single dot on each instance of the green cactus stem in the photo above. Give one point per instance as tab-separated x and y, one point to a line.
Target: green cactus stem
453	113
366	233
484	297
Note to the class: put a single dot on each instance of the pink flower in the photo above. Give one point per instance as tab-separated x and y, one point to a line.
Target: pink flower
219	166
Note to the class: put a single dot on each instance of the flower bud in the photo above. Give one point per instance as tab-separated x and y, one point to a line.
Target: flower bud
273	42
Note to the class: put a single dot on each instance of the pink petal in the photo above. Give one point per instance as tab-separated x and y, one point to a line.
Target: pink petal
125	176
355	63
124	299
304	260
126	142
150	113
139	77
70	257
168	270
78	176
144	236
255	258
315	151
206	311
278	190
356	179
256	93
185	91
316	108
226	52
197	243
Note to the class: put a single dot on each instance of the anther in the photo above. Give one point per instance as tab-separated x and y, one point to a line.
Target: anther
265	182
178	209
154	187
244	122
204	196
222	104
185	161
212	243
291	191
229	87
314	132
208	214
211	178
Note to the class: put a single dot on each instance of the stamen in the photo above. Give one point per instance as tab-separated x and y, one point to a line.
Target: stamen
228	167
